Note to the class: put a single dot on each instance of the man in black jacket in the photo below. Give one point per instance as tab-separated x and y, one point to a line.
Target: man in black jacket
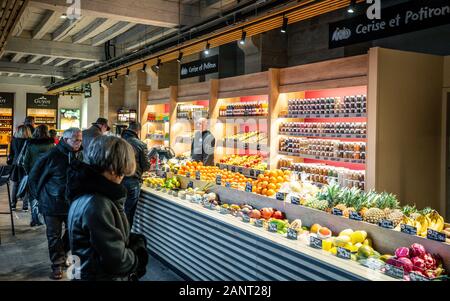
47	183
98	128
133	183
203	144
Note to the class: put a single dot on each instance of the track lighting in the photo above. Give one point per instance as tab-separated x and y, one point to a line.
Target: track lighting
351	8
180	57
207	48
285	25
243	37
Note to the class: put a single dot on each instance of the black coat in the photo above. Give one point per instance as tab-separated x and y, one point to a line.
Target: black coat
99	232
48	179
202	148
16	147
140	151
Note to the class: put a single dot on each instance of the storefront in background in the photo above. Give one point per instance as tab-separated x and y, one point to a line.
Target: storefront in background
44	109
6	121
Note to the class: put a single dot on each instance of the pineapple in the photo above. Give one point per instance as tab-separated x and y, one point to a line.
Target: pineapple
330	194
392	210
317	204
409	210
426	211
350	198
376	214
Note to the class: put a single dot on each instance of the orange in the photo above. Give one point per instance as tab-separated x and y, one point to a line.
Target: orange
273	173
270	192
266	173
280	179
264	191
258	190
315	228
271	186
260	176
278	186
273	180
264	184
287	178
280	173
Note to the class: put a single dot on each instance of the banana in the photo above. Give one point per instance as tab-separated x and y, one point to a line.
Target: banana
436	221
424	224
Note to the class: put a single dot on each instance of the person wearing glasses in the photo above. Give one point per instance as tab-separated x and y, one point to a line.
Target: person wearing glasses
47	184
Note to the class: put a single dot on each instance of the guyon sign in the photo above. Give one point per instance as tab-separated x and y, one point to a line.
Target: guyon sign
201	67
407	17
40	101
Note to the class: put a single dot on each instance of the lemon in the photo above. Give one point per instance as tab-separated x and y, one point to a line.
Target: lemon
358	237
327	244
367	242
352	248
346	232
341	241
333	251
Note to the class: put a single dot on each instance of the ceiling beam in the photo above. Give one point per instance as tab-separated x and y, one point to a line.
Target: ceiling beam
54	49
30	69
10	19
48	60
28	81
62	62
94	28
17	57
20	26
50	18
160	13
111	33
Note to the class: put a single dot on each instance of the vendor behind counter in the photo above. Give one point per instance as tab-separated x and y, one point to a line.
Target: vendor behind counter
203	144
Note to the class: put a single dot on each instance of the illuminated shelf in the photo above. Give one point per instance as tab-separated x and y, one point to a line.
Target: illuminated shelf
242	117
312	135
243	145
322	158
343	115
158	121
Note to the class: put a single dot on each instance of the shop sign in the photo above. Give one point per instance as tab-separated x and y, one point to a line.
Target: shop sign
201	67
6	100
41	101
292	234
87	91
399	19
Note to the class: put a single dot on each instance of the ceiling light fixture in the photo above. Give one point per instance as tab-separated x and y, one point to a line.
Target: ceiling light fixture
128	73
117	75
158	64
351	8
63	16
180	57
144	67
207	48
285	25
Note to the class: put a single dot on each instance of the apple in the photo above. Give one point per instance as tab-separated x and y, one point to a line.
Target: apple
255	214
278	215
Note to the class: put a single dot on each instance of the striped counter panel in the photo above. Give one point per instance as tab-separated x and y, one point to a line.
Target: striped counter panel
206	248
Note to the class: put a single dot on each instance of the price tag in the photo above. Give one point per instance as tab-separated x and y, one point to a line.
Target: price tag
348	136
175	172
224	210
386	224
281	196
240	170
336	211
164	175
252	173
355	216
295	200
435	235
393	271
408	229
315	242
343	253
219	180
245	218
227	185
258	172
233	168
273	227
259	223
190	184
188	174
317	157
197	175
248	187
327	116
292	234
417	277
358	115
373	264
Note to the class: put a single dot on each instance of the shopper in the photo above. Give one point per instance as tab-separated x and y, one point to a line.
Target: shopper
133	183
22	135
54	135
98	128
202	148
48	181
29	122
98	228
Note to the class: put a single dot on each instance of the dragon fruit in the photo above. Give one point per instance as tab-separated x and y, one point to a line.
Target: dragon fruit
406	264
392	261
430	262
402	252
417	250
419	263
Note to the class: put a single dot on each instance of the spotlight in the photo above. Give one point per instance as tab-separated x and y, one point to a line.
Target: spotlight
351	8
128	73
100	82
144	67
207	48
180	57
244	35
116	76
285	25
63	16
158	64
110	81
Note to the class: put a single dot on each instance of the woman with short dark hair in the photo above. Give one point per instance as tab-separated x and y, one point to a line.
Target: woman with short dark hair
99	232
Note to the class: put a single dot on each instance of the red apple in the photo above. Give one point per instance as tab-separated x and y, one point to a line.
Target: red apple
255	214
278	215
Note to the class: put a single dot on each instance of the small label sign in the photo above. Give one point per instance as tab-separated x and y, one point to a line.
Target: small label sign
197	175
435	235
343	253
224	210
190	184
355	216
245	218
252	173
272	227
248	187
292	234
295	200
315	242
408	229
227	185
219	180
417	277
188	174
259	223
281	196
336	211
393	271
373	264
233	168
217	165
240	170
386	224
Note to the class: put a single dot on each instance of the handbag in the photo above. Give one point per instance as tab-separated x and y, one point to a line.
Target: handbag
22	189
21	157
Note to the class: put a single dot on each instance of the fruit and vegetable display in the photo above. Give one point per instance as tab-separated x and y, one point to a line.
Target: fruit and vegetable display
270	182
249	137
247	161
